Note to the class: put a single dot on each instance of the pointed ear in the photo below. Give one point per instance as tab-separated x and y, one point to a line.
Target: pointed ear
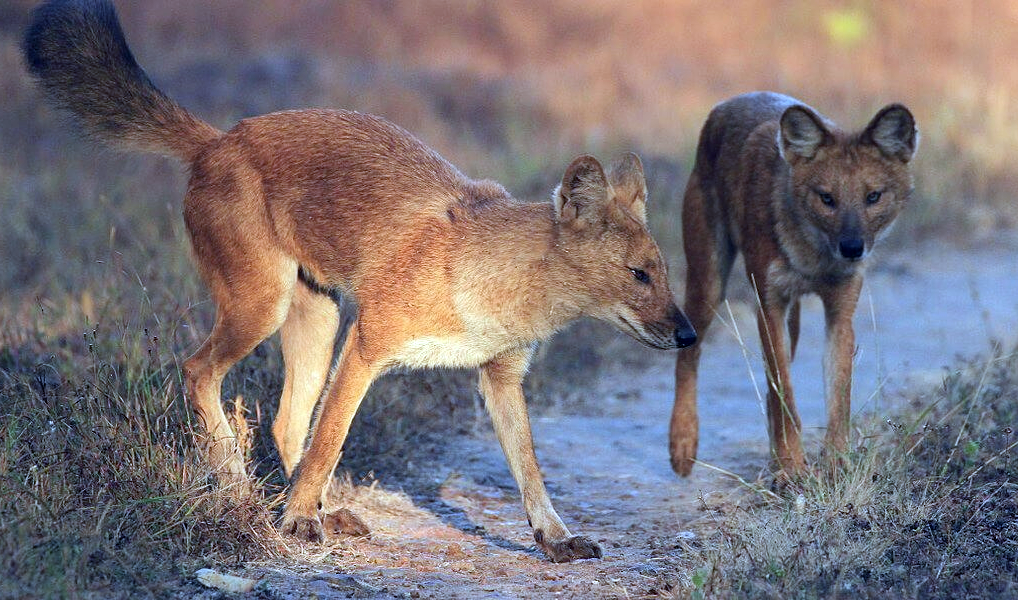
893	131
802	133
583	192
630	185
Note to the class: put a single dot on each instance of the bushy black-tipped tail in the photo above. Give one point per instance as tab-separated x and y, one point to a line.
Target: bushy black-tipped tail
77	51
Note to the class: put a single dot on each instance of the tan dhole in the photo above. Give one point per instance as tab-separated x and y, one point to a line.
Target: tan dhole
446	271
805	203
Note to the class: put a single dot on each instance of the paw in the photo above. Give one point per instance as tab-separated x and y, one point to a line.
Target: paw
568	549
344	522
303	527
683	455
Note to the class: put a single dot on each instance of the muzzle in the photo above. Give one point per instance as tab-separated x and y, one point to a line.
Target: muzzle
685	335
851	248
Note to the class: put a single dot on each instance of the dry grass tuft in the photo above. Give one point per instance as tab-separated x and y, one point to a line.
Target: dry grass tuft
925	507
101	487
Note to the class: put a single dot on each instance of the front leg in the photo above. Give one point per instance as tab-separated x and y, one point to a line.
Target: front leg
783	420
839	308
353	377
501	385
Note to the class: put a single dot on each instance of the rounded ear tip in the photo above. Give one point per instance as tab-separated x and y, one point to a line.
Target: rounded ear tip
902	111
630	159
894	121
797	111
584	160
580	164
897	106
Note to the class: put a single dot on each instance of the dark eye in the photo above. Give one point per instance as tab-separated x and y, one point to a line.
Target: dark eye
640	275
873	197
826	197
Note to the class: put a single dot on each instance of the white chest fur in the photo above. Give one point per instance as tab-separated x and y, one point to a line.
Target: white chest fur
447	351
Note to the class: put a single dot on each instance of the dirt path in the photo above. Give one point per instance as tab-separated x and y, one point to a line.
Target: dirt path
463	533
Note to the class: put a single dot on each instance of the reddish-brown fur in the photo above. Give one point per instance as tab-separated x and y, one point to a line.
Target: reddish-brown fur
804	202
446	271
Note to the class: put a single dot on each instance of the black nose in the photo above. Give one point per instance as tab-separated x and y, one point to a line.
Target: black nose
851	247
685	336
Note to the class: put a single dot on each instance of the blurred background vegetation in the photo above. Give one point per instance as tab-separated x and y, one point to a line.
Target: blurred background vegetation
99	302
512	90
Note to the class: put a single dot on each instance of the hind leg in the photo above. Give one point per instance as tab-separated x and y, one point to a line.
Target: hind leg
708	263
238	329
308	337
245	316
251	283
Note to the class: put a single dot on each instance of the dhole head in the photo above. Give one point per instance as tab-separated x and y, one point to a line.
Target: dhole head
601	223
848	187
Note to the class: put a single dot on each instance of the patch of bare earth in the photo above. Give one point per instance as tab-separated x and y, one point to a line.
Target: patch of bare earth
453	526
